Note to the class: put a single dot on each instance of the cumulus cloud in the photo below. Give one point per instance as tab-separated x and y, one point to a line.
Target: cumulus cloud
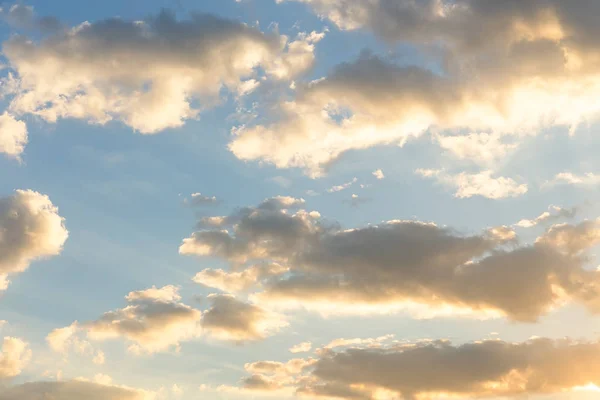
535	65
154	320
31	229
303	347
231	319
481	184
151	75
573	239
14	357
378	174
269	228
73	390
406	265
480	369
13	135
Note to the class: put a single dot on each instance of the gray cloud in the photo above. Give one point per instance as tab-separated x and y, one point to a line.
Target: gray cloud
406	264
432	369
72	390
231	319
483	369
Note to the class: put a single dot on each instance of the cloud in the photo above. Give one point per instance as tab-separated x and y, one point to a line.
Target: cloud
480	184
303	347
14	357
567	178
485	148
62	339
268	228
343	186
409	266
235	282
537	65
491	368
153	321
13	136
481	369
31	229
151	75
573	239
547	216
23	17
233	320
197	199
378	174
368	342
73	390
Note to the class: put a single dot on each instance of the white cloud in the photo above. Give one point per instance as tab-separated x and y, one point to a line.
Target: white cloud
151	75
303	347
343	186
552	215
482	147
198	199
480	184
31	229
378	174
13	135
536	66
14	357
241	281
587	179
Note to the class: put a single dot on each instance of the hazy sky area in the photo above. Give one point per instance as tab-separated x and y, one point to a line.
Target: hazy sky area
300	199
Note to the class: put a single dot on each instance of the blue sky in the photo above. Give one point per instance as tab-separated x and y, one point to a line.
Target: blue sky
126	196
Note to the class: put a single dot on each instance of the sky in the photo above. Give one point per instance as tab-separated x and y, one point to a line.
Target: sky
314	199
